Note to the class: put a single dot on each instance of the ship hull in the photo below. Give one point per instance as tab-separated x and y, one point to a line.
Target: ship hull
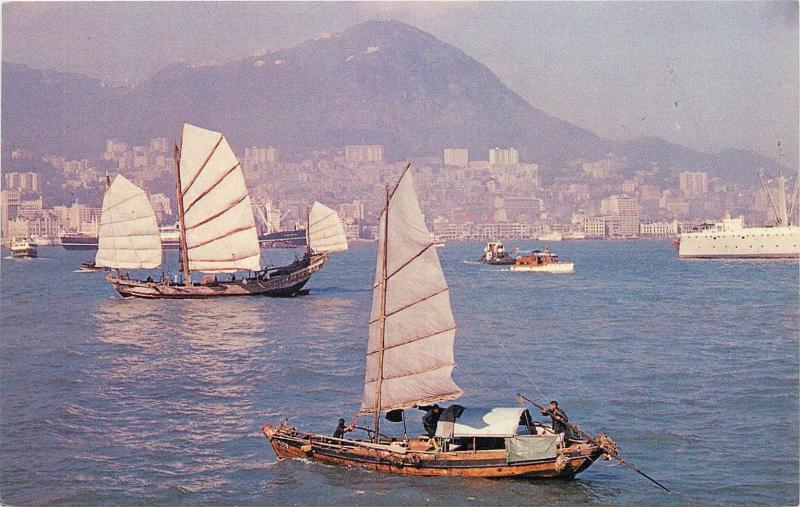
90	243
746	243
284	239
286	284
27	253
555	267
288	443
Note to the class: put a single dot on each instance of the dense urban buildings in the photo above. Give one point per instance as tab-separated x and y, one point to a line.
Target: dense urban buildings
502	197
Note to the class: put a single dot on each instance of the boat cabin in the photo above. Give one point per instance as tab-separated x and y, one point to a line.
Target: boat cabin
537	258
511	429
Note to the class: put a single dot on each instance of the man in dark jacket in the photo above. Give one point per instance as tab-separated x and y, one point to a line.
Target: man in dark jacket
341	429
431	420
558	416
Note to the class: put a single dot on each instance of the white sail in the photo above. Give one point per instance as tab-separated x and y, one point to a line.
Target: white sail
410	349
221	233
128	237
325	230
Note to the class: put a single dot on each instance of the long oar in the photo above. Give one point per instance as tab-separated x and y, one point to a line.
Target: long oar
612	453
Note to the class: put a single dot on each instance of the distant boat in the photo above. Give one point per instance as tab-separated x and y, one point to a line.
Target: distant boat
496	254
216	233
542	261
170	240
23	248
295	238
409	364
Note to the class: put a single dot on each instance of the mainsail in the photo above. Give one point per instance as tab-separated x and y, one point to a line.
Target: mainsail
128	237
220	230
411	331
325	230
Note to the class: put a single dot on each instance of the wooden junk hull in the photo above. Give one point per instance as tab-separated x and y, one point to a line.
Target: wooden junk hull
287	282
289	443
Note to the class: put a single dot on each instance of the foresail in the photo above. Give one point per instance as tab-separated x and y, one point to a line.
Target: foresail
416	345
221	233
325	230
128	237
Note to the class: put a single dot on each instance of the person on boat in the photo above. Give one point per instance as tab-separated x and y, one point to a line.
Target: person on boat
342	429
149	279
431	419
559	417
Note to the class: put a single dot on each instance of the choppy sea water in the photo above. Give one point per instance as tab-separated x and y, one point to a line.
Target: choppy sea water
692	367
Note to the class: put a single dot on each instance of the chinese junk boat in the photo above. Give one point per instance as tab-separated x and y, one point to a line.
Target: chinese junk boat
217	232
539	261
409	363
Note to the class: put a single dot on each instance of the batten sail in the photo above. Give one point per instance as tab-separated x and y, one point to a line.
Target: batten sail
411	335
220	231
128	237
325	230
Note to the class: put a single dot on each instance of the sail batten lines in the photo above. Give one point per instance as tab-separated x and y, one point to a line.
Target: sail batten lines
220	230
129	237
325	230
409	356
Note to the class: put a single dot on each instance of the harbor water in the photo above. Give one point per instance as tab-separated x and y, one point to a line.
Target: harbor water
691	366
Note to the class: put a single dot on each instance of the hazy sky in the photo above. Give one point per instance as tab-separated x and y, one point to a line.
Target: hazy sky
710	75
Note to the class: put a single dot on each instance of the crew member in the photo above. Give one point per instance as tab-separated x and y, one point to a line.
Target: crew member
431	420
341	429
558	416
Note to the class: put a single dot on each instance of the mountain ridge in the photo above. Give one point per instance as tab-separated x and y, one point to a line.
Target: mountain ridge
379	82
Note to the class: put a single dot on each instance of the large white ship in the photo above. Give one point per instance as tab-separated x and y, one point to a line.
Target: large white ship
730	238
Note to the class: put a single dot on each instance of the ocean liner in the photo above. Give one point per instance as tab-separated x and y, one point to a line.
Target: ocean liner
731	238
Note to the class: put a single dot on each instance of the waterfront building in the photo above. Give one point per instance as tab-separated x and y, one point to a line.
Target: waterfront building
622	214
595	227
456	157
659	229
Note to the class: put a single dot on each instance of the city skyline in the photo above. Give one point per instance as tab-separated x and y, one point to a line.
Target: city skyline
620	70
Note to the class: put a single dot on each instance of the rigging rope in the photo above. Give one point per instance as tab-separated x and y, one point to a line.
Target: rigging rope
447	266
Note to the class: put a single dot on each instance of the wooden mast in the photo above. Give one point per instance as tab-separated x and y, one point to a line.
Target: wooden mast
377	415
184	251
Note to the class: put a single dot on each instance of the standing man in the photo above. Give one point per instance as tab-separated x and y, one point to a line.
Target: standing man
431	419
558	416
341	429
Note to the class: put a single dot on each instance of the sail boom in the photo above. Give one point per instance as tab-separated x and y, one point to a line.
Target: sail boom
423	401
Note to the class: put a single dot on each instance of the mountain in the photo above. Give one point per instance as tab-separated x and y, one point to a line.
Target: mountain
379	82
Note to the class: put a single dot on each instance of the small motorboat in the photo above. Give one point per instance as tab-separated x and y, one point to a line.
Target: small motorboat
542	261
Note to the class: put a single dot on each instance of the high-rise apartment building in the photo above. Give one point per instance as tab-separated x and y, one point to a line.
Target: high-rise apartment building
24	182
693	184
503	156
363	153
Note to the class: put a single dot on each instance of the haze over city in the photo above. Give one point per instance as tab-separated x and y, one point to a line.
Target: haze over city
709	75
